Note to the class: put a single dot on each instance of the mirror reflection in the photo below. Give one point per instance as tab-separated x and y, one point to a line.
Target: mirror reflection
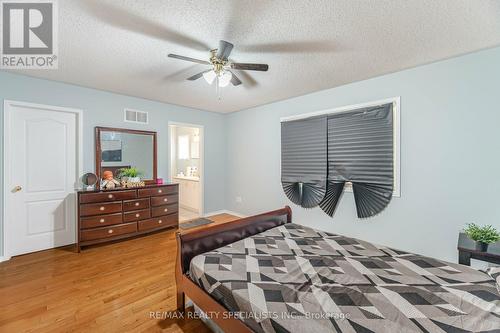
121	150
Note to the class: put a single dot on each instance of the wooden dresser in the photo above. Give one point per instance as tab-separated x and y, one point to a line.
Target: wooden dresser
116	214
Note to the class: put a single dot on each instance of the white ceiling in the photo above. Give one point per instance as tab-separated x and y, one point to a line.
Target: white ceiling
122	45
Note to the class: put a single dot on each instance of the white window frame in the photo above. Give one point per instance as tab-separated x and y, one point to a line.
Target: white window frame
396	115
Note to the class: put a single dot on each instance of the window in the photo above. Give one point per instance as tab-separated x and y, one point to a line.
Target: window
355	148
183	147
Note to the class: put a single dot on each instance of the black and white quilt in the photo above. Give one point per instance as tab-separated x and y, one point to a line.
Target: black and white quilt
296	279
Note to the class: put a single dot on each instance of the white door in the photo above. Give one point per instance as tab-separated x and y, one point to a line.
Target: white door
41	165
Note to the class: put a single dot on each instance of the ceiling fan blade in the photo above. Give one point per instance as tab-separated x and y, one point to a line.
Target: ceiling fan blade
176	56
250	67
319	46
179	75
122	18
197	76
224	49
234	79
248	79
234	25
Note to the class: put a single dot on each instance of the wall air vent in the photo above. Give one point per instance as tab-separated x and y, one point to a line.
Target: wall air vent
134	116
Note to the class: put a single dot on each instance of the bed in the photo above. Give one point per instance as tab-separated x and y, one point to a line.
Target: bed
266	274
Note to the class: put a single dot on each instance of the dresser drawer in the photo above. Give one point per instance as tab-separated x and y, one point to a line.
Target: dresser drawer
135	204
100	220
164	200
107	196
164	210
158	222
100	208
155	191
136	215
106	232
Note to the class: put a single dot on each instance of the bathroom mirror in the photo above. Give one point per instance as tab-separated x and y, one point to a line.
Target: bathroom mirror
118	148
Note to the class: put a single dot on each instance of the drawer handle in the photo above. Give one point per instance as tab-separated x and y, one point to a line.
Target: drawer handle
137	204
165	200
110	196
101	221
160	221
165	210
159	191
102	208
137	215
110	231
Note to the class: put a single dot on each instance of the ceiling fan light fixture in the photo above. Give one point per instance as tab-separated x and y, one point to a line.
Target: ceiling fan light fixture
221	66
224	79
209	76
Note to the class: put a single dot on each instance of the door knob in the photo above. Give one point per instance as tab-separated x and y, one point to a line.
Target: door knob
18	188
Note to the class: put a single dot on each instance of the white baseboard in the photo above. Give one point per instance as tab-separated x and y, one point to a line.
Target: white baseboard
4	259
236	214
224	211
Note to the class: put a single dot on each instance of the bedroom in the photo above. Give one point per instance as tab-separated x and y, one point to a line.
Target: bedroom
435	63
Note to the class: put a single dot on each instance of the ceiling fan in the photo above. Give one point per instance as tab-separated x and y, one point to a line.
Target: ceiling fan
220	70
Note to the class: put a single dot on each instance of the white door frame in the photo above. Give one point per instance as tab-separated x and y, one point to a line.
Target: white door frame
202	156
7	110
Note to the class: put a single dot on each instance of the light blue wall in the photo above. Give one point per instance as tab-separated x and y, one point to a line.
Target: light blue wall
106	109
450	148
450	155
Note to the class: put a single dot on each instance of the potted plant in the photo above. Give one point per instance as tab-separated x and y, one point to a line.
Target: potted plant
482	235
130	174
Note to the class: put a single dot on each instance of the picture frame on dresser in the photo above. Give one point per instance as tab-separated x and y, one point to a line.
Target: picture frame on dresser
111	215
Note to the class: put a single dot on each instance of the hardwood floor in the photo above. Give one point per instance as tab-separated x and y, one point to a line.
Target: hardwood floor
109	288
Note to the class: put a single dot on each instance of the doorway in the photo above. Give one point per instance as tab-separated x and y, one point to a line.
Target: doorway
42	164
186	168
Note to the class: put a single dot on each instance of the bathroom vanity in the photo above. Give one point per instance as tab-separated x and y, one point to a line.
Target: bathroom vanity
189	192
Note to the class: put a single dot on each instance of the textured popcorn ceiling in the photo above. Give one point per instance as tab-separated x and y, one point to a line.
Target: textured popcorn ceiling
122	46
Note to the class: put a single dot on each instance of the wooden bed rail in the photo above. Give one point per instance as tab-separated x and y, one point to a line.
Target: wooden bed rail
195	242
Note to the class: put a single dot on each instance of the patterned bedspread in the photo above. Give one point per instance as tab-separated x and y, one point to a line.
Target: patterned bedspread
296	279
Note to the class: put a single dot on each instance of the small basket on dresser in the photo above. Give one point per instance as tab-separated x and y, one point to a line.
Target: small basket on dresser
121	213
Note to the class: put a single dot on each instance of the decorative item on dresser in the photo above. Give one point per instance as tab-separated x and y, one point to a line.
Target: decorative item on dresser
121	213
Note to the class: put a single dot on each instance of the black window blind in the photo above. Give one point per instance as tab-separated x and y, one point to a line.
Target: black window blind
320	155
304	160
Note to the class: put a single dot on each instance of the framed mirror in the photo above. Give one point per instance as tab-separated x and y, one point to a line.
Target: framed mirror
117	148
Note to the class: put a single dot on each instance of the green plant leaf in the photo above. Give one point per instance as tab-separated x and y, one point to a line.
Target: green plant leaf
486	234
129	172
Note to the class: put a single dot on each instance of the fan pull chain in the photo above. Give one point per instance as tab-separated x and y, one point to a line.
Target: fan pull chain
217	88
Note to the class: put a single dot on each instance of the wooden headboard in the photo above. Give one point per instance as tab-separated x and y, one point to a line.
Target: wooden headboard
195	242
